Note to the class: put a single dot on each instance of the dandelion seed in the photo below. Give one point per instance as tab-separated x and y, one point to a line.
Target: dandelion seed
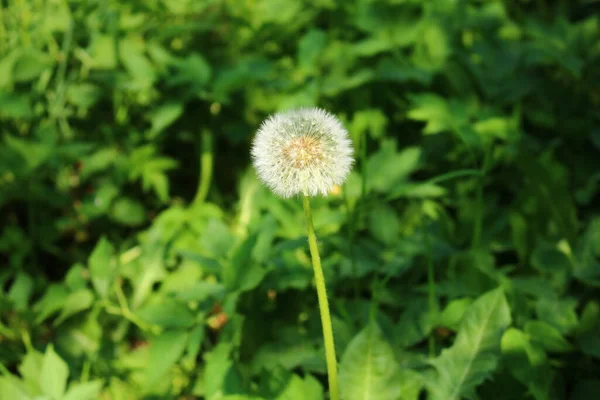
305	151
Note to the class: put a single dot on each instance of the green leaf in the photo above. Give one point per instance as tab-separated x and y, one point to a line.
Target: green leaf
527	363
220	376
52	301
454	312
102	266
21	290
35	154
54	374
296	388
13	389
167	313
368	368
84	391
547	337
76	302
560	313
165	350
29	65
164	116
414	324
31	369
387	168
587	335
193	71
128	211
103	52
475	353
384	223
242	273
587	264
310	48
411	384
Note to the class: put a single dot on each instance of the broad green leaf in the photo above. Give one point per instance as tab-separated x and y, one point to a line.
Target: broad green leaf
454	312
242	273
30	64
310	48
527	363
54	374
547	337
368	368
387	167
475	353
587	265
76	302
384	223
102	266
34	153
560	313
84	391
165	350
371	121
220	377
31	369
413	325
132	54
587	335
164	116
411	384
83	95
167	313
433	47
13	389
193	71
53	300
103	52
21	290
128	211
297	389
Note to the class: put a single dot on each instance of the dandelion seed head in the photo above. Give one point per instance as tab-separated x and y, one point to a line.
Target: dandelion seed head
305	151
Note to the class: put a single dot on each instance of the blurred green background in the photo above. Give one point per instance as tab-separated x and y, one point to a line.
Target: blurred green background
141	258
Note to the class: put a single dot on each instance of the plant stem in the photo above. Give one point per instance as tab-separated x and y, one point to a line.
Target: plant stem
323	304
206	167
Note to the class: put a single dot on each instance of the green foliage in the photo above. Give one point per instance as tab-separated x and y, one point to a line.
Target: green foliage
475	352
141	258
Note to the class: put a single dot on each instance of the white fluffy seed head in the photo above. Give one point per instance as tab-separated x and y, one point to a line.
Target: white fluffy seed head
305	151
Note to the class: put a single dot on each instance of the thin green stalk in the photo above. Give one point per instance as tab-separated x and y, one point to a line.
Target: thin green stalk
323	304
206	167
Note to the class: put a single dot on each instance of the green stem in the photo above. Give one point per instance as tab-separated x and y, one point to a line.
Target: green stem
323	304
206	167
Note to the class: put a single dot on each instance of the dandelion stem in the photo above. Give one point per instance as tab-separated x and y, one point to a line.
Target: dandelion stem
323	304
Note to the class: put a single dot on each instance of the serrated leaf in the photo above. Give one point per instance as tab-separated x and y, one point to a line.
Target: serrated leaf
475	353
368	367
